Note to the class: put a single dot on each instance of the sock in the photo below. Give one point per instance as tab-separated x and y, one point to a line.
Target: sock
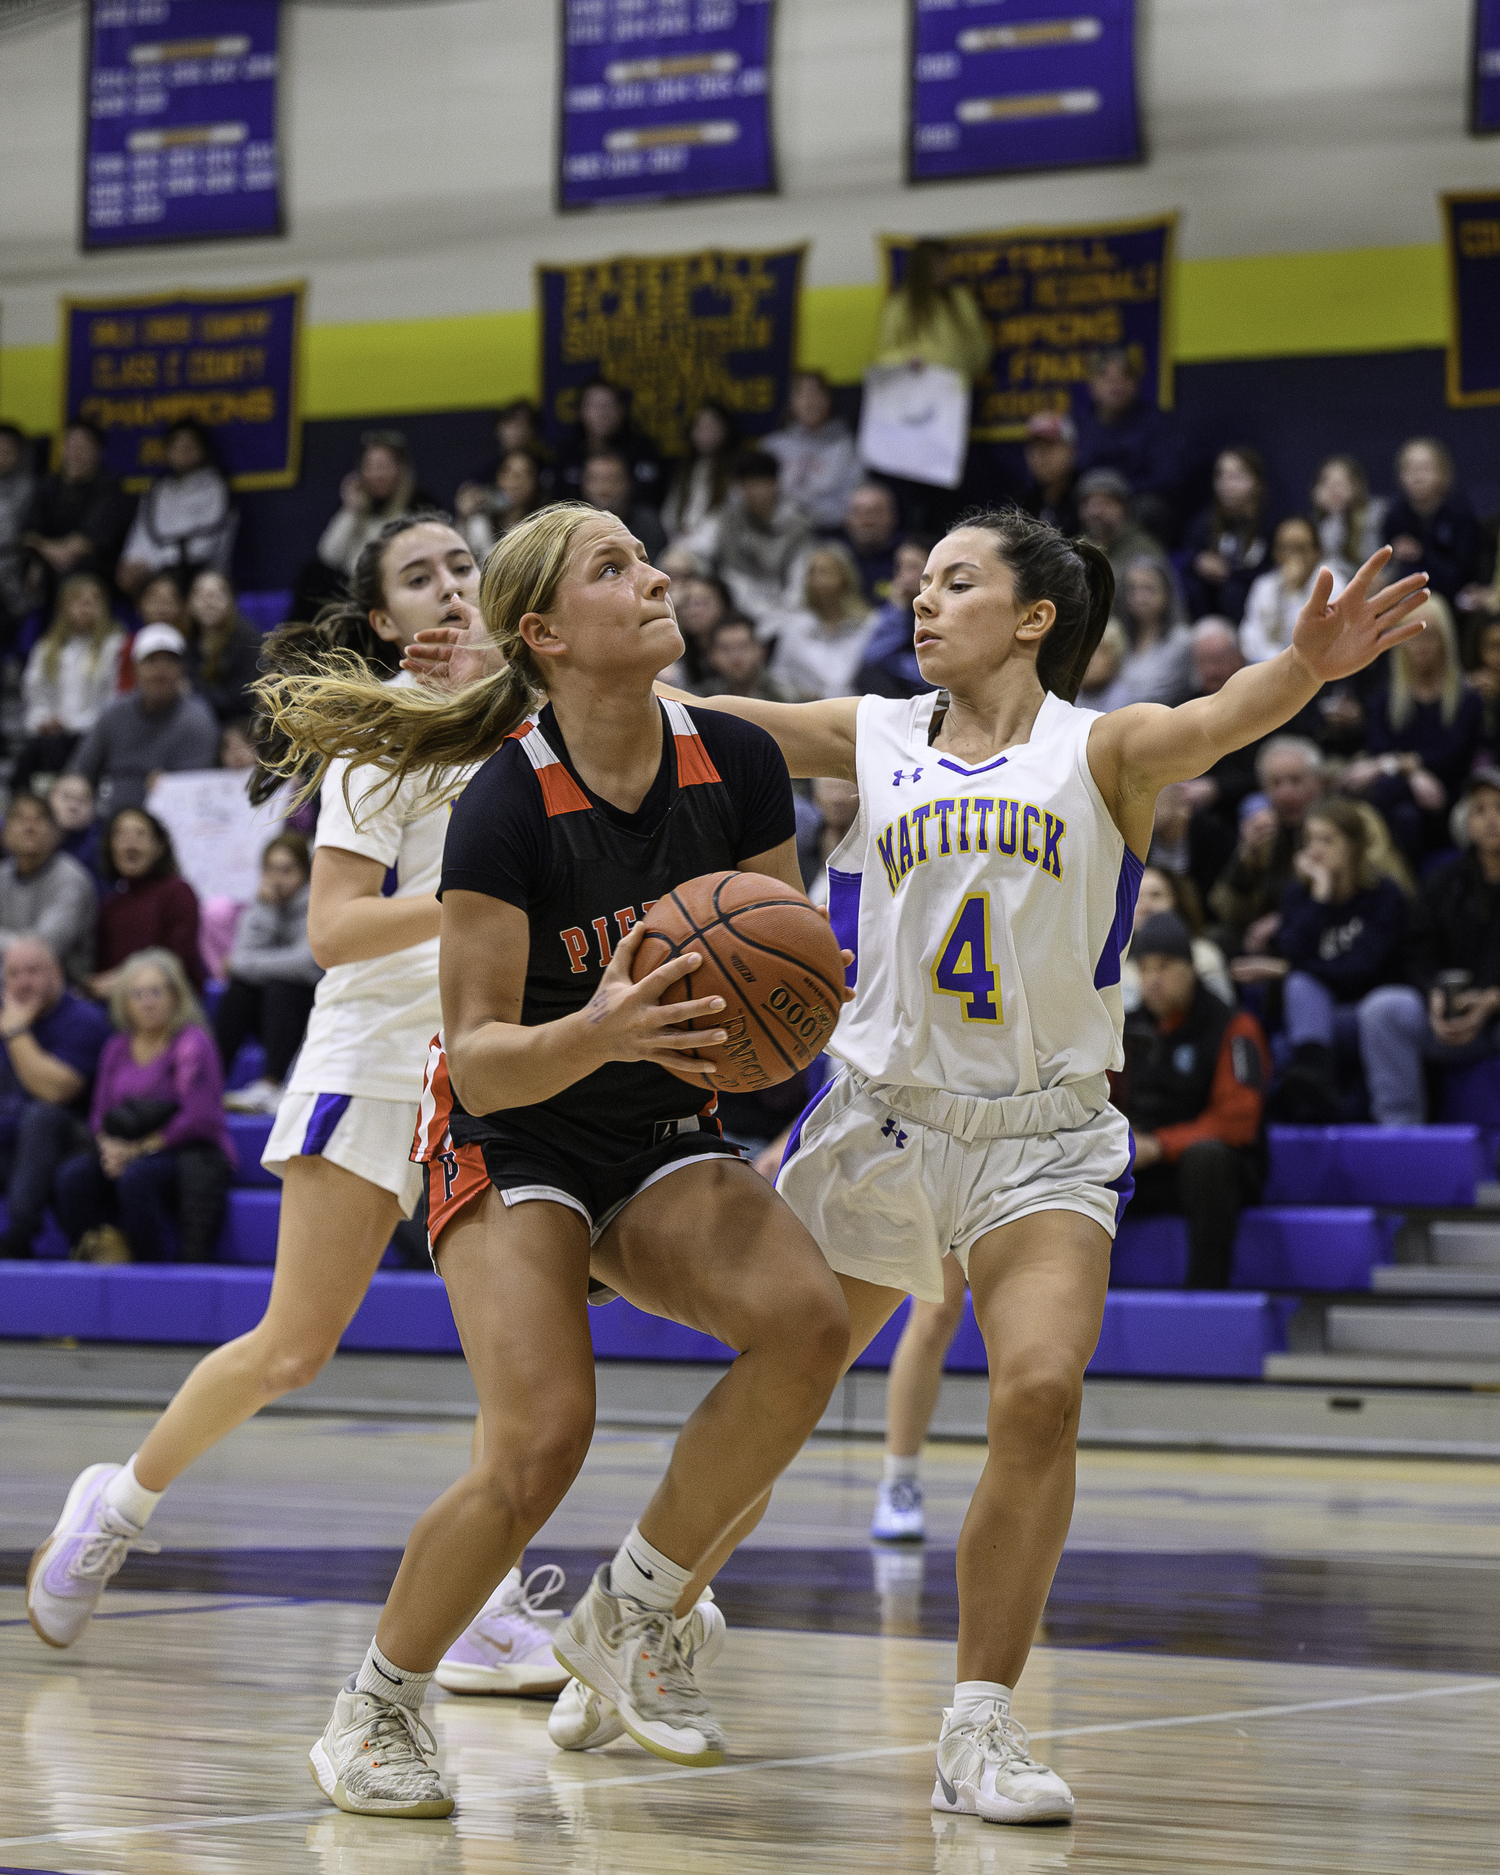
645	1575
388	1681
902	1470
132	1500
973	1698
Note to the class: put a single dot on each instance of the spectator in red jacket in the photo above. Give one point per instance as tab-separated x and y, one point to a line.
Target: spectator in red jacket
146	902
1194	1092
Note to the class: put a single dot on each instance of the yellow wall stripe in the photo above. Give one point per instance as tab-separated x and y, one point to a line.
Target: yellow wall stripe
1261	306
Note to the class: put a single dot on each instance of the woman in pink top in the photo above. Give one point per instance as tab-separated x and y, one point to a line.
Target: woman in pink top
162	1158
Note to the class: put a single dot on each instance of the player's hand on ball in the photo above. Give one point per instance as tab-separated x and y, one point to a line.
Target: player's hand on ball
631	1023
1333	640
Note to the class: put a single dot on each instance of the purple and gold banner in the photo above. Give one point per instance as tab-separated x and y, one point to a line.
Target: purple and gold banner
663	99
181	131
136	364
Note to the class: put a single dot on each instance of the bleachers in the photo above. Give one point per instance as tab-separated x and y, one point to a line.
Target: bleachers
1333	1207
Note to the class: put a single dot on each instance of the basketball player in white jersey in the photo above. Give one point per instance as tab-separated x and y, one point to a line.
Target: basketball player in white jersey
988	888
343	1132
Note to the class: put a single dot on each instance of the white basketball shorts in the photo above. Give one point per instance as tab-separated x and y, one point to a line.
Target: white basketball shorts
371	1138
887	1198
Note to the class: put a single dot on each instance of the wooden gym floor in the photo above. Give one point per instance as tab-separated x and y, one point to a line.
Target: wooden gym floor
1248	1664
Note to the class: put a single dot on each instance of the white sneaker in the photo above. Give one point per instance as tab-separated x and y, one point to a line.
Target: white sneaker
259	1097
72	1569
376	1759
636	1658
985	1769
505	1648
898	1513
583	1720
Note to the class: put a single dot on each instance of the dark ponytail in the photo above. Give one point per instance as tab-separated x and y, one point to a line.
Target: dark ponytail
340	636
1074	574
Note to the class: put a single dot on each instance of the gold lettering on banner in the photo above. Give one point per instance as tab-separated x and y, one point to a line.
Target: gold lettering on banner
636	322
1051	302
1479	240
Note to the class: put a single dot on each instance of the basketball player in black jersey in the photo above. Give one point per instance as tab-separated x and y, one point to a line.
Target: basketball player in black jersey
559	1145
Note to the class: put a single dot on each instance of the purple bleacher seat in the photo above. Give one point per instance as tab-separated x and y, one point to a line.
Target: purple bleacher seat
1196	1336
404	1311
1343	1165
163	1302
1473	1094
250	1131
1278	1247
52	1299
250	1223
265	610
248	1065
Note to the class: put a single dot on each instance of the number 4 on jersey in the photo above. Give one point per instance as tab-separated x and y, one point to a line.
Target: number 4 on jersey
964	966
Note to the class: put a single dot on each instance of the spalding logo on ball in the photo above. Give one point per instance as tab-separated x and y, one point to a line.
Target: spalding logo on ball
773	959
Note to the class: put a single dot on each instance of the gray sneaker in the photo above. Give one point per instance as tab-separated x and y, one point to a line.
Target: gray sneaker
376	1759
583	1720
636	1658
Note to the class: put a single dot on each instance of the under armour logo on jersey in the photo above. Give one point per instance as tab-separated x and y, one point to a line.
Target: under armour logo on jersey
892	1130
900	776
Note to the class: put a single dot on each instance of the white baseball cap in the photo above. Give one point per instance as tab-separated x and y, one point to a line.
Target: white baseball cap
152	638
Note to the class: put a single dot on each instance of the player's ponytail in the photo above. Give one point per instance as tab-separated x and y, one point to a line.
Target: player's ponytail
340	711
1073	574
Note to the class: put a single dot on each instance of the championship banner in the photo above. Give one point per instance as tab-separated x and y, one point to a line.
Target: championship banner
134	365
672	330
1004	85
1471	227
662	99
1052	298
181	126
1484	93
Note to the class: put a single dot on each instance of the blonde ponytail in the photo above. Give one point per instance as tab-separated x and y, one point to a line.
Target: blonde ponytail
343	712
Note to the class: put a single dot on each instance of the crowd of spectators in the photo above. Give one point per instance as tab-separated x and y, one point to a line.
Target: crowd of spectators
1323	909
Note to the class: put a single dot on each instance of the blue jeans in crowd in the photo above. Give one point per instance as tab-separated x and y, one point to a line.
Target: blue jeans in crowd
1310	1013
1395	1039
35	1138
163	1200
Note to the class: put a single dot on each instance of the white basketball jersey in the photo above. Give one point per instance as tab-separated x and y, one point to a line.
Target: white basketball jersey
987	908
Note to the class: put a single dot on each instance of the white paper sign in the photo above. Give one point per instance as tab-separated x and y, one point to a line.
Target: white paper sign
218	835
915	423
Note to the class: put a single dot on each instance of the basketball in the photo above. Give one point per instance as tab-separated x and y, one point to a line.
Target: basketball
769	954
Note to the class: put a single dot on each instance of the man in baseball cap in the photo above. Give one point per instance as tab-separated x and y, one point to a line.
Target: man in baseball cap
1193	1090
1052	470
159	727
1104	512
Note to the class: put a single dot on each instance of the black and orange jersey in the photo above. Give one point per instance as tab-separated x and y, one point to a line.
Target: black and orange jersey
527	830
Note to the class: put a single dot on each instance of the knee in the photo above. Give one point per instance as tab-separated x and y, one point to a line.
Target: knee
1394	1010
1035	1408
932	1325
527	1481
285	1366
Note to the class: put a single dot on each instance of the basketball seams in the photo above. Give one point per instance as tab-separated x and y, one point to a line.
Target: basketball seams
758	1028
750	1010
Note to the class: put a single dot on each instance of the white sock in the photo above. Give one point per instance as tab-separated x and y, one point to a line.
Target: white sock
972	1699
902	1470
388	1681
129	1497
645	1575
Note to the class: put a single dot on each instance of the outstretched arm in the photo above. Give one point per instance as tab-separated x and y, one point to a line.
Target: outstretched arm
814	738
1135	752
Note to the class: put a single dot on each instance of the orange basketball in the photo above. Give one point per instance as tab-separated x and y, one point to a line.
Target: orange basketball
773	959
